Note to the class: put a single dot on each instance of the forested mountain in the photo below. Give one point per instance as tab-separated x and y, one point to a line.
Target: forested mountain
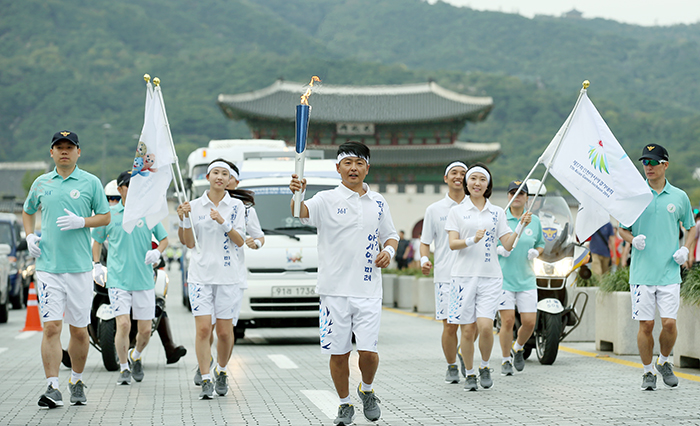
78	64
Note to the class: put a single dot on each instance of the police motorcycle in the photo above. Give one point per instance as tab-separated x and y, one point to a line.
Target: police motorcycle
103	325
560	266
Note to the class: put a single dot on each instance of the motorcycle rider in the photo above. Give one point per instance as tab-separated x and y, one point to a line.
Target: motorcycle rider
519	282
131	286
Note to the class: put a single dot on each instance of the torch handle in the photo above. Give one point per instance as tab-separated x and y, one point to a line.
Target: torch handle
299	170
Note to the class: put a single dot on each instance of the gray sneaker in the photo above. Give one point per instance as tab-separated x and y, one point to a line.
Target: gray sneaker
51	398
346	414
207	390
485	378
452	375
462	368
77	393
136	366
518	359
198	374
221	383
470	383
666	370
370	405
124	378
649	381
506	369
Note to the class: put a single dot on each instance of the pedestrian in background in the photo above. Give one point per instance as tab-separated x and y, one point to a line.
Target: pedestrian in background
434	231
71	202
654	272
602	248
352	222
131	285
473	228
519	282
214	277
401	262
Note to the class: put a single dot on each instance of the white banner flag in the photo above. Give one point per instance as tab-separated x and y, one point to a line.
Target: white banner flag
593	167
151	173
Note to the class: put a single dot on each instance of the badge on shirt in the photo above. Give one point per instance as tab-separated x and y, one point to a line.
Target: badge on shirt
140	223
75	194
528	232
671	208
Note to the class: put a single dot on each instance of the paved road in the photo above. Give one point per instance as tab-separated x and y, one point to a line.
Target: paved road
279	377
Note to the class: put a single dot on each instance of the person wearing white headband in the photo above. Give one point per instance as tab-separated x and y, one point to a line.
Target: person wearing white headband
474	227
356	238
434	231
215	279
519	282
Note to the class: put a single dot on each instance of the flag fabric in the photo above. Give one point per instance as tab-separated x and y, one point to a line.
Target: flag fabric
595	169
151	172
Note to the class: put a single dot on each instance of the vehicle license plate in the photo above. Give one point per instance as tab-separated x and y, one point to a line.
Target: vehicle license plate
293	291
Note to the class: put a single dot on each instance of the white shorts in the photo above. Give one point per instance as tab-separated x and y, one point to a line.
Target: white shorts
340	317
222	301
442	300
526	301
472	298
645	299
141	303
65	294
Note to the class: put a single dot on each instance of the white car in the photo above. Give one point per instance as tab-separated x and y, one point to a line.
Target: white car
5	250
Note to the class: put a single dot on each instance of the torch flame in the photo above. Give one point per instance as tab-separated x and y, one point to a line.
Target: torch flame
305	96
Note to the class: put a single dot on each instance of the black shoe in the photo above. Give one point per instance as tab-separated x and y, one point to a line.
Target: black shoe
174	356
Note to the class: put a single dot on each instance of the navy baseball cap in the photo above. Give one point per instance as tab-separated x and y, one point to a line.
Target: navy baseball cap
516	184
65	135
124	178
654	152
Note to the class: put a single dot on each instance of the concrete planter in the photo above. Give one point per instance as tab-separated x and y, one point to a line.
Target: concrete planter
615	330
388	289
585	332
687	349
425	295
404	293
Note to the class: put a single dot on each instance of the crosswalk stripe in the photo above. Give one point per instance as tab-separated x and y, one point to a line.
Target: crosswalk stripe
282	361
326	401
25	335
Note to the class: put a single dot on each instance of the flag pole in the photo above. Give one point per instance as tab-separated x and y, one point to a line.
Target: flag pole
181	196
585	85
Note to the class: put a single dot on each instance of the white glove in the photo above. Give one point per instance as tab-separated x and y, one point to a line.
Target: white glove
532	254
33	245
99	273
502	251
639	242
152	256
681	255
70	222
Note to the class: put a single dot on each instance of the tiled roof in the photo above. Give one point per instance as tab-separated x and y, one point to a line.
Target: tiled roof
423	102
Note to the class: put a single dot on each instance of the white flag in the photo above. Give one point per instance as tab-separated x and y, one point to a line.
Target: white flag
151	173
593	167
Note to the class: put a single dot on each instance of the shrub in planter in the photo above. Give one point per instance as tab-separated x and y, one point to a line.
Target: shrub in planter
690	287
615	281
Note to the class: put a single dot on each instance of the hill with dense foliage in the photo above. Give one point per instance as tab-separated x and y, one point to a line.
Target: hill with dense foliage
78	65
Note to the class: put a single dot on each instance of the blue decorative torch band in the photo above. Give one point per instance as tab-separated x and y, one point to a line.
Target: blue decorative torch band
302	129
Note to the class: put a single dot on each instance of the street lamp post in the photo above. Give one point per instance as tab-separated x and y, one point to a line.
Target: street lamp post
103	175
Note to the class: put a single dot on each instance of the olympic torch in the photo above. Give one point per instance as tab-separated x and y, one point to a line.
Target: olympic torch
302	129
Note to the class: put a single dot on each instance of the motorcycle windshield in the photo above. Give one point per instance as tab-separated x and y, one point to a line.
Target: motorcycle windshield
557	227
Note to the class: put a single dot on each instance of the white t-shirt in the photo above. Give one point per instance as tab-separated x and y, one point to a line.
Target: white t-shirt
434	230
252	228
217	261
350	228
480	259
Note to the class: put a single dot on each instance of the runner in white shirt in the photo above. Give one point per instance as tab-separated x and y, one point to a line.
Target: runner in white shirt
434	231
215	277
255	239
473	228
352	221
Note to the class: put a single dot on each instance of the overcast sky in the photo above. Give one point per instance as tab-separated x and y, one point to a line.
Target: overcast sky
640	12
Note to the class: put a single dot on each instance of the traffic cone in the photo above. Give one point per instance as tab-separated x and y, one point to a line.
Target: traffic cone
33	321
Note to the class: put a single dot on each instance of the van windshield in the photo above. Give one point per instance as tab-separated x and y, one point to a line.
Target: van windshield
272	206
6	234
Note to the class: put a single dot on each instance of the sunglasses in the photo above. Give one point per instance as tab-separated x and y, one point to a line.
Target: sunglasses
652	162
113	198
